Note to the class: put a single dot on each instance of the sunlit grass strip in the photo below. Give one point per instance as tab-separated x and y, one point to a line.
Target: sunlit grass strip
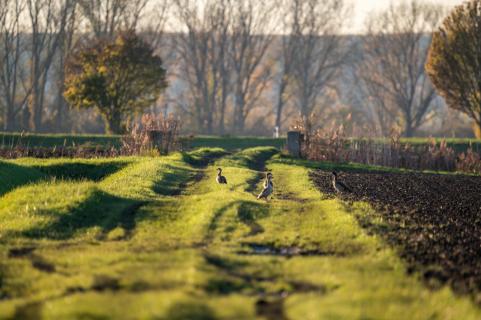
189	255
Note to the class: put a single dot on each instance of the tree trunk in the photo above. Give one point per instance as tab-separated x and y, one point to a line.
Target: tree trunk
9	120
408	129
222	110
34	102
239	113
60	116
210	122
280	105
114	123
25	124
61	103
221	121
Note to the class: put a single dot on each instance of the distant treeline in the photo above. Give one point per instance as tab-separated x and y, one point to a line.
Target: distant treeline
229	71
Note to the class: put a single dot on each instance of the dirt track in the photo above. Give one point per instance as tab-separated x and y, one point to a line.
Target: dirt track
434	219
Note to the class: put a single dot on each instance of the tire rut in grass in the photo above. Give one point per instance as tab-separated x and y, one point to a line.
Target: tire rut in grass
38	262
272	309
28	311
126	222
434	219
247	212
20	252
196	178
252	183
235	275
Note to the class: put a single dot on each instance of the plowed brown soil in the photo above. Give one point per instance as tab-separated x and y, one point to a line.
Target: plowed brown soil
435	221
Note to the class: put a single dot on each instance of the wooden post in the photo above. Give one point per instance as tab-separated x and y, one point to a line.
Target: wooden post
294	143
155	139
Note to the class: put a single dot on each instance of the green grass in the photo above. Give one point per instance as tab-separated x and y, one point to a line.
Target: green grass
229	143
157	238
458	144
52	140
13	175
237	142
72	140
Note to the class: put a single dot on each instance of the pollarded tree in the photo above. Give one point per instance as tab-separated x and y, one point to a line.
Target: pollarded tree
118	77
454	62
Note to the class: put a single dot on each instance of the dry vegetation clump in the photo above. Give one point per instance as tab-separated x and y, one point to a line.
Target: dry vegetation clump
154	134
333	144
469	162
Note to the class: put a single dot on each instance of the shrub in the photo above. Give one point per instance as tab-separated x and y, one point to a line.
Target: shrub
153	134
332	144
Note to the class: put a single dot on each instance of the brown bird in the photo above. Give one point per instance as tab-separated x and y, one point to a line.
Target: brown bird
220	178
268	187
339	186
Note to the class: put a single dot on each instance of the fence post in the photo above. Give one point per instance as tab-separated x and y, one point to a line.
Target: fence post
156	139
294	143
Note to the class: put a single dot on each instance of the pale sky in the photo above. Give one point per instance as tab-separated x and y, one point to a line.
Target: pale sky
364	7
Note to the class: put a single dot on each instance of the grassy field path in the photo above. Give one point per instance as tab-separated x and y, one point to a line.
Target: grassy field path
157	238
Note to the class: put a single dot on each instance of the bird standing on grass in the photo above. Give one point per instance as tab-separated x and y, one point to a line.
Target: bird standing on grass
268	187
268	181
220	178
339	186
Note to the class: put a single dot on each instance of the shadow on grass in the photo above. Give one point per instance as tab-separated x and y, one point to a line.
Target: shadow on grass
172	183
253	158
253	182
247	213
106	211
189	310
13	176
202	157
230	277
29	311
99	210
79	171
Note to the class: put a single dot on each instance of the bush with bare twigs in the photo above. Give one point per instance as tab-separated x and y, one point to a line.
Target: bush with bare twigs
155	134
469	162
333	144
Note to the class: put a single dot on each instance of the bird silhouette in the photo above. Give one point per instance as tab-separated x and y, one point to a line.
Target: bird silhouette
268	187
339	186
220	178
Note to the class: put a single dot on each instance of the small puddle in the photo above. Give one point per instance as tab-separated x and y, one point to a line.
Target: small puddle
269	250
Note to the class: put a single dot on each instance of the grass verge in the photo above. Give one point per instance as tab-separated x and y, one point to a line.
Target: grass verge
205	251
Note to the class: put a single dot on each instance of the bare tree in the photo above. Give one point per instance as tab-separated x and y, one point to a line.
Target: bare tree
12	47
285	62
66	44
320	50
394	54
252	35
106	17
202	58
47	20
153	22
